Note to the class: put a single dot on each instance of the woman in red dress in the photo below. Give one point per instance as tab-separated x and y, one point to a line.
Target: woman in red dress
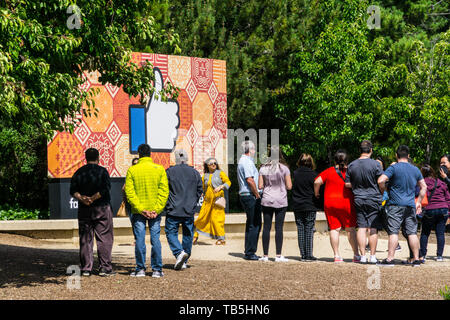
338	204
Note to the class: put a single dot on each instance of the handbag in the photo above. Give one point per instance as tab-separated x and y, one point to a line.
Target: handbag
122	212
221	202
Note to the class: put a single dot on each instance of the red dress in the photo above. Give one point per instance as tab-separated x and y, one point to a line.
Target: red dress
338	200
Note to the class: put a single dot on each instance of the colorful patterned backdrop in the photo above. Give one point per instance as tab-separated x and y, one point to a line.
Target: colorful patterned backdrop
202	114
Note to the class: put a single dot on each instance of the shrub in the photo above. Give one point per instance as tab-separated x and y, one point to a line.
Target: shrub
17	213
445	293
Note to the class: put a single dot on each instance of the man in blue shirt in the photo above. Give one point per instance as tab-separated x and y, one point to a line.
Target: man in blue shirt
400	208
250	199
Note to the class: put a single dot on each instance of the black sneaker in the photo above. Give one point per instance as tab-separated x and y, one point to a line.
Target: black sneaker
311	258
104	273
386	263
398	248
407	262
253	257
416	263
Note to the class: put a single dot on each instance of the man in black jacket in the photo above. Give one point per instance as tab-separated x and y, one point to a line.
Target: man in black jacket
185	190
90	185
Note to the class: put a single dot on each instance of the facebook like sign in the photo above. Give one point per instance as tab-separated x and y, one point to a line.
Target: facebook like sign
155	124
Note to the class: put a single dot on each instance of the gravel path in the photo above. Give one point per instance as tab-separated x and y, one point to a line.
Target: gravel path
35	269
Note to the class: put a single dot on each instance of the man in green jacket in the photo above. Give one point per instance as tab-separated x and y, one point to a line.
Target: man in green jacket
147	190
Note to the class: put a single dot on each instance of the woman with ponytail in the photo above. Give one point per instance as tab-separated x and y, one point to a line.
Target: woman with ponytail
338	204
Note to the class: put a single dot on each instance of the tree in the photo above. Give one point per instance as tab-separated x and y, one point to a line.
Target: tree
44	47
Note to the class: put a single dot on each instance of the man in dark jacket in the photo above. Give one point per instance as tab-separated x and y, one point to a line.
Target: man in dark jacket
185	190
90	185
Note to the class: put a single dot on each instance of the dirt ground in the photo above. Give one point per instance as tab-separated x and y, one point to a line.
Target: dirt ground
36	269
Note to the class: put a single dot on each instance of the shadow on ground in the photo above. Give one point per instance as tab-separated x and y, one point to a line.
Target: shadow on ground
25	266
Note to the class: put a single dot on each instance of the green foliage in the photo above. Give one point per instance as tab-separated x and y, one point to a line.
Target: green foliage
42	55
18	213
445	293
41	58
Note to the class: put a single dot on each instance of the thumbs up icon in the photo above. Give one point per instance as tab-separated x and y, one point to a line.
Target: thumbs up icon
159	128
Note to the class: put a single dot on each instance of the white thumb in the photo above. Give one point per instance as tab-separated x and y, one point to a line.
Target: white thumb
158	81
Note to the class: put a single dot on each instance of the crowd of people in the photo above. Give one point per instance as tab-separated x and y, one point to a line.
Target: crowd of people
361	197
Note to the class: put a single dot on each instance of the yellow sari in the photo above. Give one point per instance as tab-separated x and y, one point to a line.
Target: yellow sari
211	218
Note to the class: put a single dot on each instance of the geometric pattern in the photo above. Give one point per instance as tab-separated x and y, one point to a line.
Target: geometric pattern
122	156
192	136
185	110
191	90
202	112
101	142
202	73
179	70
112	90
113	133
212	92
220	114
220	75
82	133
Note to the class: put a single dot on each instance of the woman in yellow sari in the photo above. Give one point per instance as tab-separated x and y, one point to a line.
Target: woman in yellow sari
211	218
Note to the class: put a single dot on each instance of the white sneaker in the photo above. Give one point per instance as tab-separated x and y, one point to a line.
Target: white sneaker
157	274
185	266
264	259
373	259
181	258
138	274
363	259
281	259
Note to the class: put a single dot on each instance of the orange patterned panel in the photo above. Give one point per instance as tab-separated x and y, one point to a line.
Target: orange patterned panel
179	70
161	158
104	105
220	75
185	110
202	112
122	156
65	155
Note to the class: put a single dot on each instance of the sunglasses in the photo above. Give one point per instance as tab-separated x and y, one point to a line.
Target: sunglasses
212	163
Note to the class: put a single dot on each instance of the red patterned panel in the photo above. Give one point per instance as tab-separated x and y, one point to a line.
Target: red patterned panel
101	142
121	105
161	158
185	110
220	114
202	73
161	61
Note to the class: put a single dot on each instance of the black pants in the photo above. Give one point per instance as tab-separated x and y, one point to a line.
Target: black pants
280	213
95	221
305	221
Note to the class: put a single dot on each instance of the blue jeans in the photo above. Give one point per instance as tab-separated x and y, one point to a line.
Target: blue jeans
171	229
252	207
435	218
139	224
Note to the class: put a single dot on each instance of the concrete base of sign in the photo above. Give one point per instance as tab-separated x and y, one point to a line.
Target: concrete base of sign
66	230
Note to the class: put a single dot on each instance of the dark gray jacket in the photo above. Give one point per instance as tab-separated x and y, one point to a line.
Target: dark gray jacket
185	190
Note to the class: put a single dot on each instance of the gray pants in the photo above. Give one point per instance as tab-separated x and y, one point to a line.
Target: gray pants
95	221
